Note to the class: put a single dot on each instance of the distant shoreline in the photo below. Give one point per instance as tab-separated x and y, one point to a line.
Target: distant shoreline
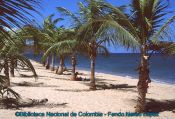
120	75
132	77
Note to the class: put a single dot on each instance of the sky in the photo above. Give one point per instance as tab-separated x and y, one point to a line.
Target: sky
48	7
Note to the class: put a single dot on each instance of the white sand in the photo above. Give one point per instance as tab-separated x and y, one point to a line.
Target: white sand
75	94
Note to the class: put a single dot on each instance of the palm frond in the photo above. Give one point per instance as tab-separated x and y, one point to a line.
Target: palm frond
26	62
11	91
14	13
67	13
62	47
165	32
170	49
117	15
103	50
114	32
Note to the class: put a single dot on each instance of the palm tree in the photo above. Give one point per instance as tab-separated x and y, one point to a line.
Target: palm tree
14	13
147	25
44	37
151	25
63	47
8	55
91	31
50	30
66	47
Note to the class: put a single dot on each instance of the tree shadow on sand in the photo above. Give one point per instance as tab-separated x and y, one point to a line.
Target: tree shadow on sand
102	85
32	84
47	105
123	87
160	105
18	103
49	78
25	76
112	86
52	105
74	90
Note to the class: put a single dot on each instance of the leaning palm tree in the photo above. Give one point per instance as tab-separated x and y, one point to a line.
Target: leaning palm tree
14	13
146	24
69	46
44	37
8	56
91	32
52	36
63	47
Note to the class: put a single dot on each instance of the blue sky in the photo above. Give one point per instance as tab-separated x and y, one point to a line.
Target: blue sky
49	7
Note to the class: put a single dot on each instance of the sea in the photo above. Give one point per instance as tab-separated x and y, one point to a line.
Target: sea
162	68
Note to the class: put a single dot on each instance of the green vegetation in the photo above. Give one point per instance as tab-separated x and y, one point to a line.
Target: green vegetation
153	34
13	14
94	29
96	23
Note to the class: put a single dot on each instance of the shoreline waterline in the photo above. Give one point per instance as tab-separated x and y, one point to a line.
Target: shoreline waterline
80	69
127	76
161	68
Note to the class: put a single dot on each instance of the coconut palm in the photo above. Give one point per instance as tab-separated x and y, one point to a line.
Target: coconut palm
151	27
92	33
47	37
68	46
49	30
14	13
9	56
62	35
44	37
62	47
146	24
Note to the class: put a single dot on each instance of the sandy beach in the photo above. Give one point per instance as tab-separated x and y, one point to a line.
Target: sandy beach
115	94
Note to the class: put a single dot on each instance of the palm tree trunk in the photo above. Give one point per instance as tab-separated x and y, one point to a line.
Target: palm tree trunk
64	66
144	79
52	63
36	48
48	62
16	63
44	63
92	79
56	71
60	69
6	71
12	67
73	75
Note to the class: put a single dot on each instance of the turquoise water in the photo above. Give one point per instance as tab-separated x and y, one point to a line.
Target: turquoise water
162	68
